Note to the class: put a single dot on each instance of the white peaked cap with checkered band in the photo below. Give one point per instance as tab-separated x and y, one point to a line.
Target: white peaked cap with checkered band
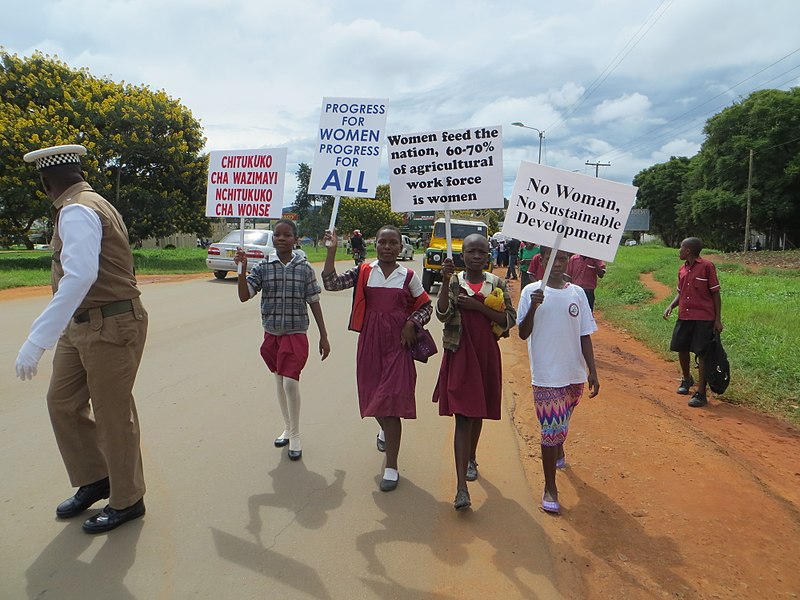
56	155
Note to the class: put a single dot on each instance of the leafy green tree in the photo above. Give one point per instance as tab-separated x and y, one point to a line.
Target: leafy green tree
367	214
768	122
313	211
660	189
143	147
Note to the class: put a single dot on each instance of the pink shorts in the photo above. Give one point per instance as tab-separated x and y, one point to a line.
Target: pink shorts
285	354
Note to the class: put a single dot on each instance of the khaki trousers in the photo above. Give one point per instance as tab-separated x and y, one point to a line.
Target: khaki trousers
95	363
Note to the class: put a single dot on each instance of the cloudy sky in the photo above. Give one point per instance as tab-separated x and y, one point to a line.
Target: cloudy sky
625	82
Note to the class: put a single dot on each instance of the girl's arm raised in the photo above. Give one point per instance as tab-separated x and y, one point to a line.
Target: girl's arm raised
330	258
443	303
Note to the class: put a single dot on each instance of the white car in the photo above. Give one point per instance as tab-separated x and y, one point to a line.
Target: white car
257	246
407	252
631	243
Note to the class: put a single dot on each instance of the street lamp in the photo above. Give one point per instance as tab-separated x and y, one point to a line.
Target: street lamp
541	136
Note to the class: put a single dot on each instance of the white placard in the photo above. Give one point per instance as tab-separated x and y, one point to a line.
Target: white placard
246	183
596	210
454	169
349	142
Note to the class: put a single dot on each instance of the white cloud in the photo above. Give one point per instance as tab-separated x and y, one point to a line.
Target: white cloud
629	107
254	72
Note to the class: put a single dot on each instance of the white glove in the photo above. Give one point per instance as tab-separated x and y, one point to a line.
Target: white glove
28	360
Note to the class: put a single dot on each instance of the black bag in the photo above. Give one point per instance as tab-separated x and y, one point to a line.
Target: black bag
718	369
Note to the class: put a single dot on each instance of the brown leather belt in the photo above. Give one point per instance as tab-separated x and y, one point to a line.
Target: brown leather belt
109	310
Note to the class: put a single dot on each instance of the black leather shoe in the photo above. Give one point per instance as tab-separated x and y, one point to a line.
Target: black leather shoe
83	499
111	518
281	442
699	399
381	444
295	454
387	485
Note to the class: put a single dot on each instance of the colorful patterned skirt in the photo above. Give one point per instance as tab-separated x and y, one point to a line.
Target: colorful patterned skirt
554	407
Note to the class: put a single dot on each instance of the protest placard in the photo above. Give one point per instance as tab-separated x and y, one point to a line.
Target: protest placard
454	169
590	213
349	142
246	183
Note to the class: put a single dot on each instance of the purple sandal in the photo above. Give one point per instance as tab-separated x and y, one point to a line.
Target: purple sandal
550	506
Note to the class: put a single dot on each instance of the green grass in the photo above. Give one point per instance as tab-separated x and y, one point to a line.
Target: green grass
22	268
760	311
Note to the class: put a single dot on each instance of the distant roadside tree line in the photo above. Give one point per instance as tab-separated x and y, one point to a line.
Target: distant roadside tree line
144	148
706	195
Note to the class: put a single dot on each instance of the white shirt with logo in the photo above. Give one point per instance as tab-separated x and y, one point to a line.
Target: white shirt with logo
554	346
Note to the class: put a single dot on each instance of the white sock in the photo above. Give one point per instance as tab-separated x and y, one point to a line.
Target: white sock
391	474
281	394
381	436
292	389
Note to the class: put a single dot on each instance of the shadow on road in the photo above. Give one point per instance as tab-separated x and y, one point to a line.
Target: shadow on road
414	516
309	497
61	571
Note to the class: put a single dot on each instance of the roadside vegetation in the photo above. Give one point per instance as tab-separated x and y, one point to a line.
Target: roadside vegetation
760	312
21	268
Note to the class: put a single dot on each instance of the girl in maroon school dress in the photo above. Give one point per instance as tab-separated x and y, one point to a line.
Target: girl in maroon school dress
389	304
470	378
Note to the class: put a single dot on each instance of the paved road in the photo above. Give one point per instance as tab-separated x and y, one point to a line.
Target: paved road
229	516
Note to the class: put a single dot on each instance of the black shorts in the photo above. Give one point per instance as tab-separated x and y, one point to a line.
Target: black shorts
691	336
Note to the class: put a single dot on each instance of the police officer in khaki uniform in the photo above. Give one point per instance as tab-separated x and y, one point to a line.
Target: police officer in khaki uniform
99	324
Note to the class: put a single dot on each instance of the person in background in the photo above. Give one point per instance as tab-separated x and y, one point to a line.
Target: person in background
536	268
357	246
699	316
389	304
526	253
502	252
470	385
287	284
98	325
585	272
513	256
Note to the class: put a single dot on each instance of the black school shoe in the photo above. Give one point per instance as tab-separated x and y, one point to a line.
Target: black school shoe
683	388
83	499
699	399
111	518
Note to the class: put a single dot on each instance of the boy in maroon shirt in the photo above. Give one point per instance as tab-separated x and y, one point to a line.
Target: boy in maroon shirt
585	272
699	315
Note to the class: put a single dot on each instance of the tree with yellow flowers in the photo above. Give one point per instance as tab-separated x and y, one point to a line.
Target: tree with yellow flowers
144	147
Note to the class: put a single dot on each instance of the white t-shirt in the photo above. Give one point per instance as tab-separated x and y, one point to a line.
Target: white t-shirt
554	346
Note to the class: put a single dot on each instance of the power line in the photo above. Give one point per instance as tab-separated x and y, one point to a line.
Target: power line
665	134
620	150
612	66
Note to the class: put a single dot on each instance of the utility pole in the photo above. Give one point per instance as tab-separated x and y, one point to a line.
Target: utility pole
747	214
597	166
